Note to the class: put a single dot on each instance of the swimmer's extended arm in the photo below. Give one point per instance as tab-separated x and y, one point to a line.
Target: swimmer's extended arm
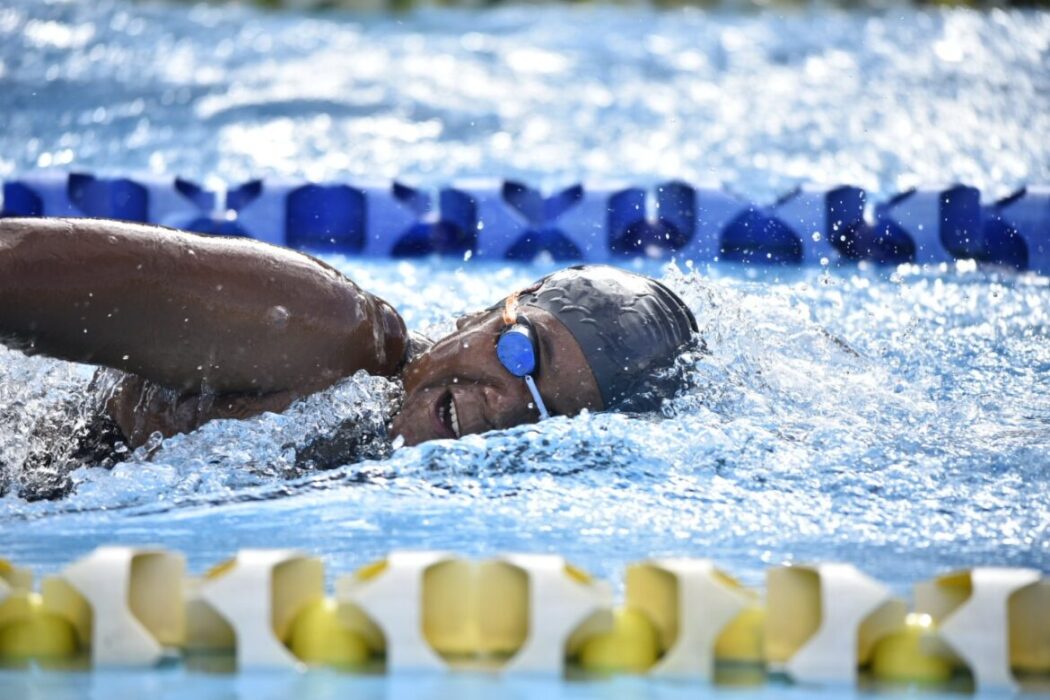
198	314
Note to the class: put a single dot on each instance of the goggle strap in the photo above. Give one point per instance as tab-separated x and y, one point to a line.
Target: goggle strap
510	310
529	382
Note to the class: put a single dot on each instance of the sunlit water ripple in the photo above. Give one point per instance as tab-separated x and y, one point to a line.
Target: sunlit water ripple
881	99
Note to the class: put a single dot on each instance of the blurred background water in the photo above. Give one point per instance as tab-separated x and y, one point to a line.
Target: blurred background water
881	98
897	419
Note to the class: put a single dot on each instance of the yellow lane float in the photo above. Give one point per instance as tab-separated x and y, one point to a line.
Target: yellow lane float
319	636
28	630
125	603
631	646
823	621
516	613
912	654
996	621
692	604
252	602
530	613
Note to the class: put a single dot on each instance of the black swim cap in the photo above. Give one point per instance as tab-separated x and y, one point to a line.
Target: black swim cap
630	327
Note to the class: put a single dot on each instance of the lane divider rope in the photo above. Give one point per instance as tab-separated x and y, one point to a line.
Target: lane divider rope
513	221
985	628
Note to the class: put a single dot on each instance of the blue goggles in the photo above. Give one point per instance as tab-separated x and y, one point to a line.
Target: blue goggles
517	351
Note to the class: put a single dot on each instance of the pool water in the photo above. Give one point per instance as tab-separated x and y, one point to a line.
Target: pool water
896	418
900	423
173	684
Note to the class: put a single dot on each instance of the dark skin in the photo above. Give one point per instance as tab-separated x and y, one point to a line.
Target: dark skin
206	328
463	368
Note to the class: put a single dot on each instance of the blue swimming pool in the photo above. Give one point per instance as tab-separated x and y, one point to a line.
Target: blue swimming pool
898	419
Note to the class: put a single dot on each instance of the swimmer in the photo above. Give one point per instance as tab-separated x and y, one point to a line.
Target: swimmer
205	327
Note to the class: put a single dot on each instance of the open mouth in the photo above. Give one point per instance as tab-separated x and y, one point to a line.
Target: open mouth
445	411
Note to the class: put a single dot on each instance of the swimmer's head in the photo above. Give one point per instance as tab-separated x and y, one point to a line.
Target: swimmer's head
605	339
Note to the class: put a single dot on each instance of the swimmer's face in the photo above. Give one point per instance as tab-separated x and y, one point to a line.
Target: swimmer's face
462	372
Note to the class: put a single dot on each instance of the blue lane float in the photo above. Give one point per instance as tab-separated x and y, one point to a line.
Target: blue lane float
509	220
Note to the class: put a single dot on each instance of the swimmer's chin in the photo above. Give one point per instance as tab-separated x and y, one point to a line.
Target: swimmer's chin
405	436
426	415
409	432
398	434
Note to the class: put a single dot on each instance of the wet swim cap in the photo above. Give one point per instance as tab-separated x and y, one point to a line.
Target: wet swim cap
629	327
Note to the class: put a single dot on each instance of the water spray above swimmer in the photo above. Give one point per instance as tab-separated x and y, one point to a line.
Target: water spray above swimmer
203	328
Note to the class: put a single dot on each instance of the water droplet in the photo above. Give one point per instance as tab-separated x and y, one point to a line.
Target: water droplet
278	316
